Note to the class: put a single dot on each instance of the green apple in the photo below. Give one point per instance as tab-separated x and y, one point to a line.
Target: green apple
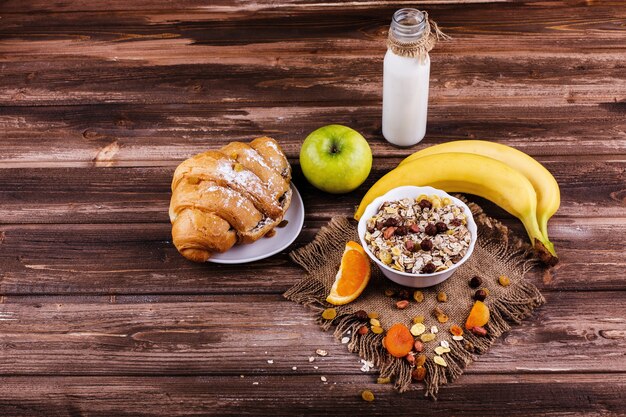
335	159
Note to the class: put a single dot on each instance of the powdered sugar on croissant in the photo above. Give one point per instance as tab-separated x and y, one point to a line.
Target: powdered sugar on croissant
234	195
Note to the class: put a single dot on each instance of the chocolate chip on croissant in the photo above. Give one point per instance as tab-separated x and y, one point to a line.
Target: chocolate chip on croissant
234	195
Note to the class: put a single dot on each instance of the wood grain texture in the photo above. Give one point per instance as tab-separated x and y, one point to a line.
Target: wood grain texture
196	335
140	259
592	395
135	135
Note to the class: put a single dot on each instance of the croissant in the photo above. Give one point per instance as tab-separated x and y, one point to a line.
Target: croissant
234	195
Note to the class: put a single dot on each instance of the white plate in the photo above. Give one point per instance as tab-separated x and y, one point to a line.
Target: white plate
268	246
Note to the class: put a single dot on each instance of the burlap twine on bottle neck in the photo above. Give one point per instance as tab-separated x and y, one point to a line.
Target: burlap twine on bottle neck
497	252
418	48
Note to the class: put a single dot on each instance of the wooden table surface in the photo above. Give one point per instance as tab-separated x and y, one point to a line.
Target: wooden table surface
99	101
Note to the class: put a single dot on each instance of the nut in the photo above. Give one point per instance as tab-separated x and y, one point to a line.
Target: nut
441	227
410	359
363	330
409	245
321	352
419	346
479	331
426	244
475	282
429	268
402	304
442	297
480	295
431	229
414	228
389	232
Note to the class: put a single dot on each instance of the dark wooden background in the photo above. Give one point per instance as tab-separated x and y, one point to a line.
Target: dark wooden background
99	101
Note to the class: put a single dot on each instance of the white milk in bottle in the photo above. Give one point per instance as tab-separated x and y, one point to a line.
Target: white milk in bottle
405	77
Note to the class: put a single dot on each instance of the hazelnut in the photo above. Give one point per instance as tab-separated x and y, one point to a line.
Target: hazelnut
410	358
480	295
425	204
429	268
419	346
426	245
414	228
441	227
475	282
431	229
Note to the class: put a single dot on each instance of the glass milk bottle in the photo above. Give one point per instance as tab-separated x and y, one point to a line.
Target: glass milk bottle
405	77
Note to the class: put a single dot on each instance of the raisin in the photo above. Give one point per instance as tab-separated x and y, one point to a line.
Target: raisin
414	228
404	294
419	374
429	268
441	227
426	245
456	222
442	297
475	282
401	231
361	315
392	221
425	204
504	281
431	229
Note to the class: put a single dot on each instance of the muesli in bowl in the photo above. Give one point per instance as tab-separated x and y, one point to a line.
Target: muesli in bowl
418	232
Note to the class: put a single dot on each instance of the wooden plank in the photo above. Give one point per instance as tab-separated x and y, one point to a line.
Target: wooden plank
114	134
230	335
474	395
211	57
223	6
590	187
140	259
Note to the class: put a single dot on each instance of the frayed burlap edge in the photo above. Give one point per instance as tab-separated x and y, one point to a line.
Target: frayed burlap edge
519	303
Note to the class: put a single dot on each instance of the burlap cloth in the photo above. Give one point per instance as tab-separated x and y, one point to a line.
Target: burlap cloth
497	252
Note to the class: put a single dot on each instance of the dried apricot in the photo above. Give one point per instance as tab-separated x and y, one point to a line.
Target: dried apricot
398	340
329	313
478	316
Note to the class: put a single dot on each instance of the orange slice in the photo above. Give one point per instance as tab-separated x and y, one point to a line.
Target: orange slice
353	275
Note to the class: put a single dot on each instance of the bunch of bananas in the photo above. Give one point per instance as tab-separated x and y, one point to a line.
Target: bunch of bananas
508	177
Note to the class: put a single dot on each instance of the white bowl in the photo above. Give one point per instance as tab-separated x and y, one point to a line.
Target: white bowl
405	278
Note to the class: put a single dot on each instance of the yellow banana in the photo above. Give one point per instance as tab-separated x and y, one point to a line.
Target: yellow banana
546	187
473	174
